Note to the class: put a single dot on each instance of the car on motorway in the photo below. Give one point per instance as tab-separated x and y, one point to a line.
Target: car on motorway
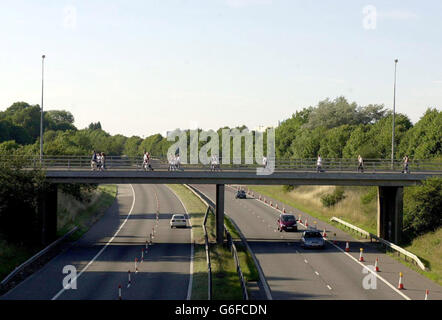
240	194
287	222
178	220
312	239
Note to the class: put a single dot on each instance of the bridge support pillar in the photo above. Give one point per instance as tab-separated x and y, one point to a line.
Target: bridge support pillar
47	212
390	213
219	214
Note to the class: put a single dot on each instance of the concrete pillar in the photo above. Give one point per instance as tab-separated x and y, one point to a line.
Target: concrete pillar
390	213
47	211
219	213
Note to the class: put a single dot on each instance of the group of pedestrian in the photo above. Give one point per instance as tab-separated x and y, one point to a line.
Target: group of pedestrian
174	162
98	161
405	163
214	163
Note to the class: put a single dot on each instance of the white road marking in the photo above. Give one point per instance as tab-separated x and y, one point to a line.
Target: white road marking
317	273
329	288
105	246
305	261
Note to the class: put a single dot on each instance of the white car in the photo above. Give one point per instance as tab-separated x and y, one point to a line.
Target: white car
178	220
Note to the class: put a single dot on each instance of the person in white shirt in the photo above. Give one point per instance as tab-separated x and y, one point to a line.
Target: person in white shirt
99	161
264	162
360	164
319	164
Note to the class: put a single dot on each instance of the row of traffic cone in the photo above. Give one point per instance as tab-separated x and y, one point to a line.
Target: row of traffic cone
143	251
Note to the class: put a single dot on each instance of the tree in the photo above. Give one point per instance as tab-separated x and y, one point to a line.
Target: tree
423	207
94	126
59	120
424	140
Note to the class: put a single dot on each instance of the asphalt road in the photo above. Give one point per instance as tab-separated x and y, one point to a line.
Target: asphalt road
296	273
105	254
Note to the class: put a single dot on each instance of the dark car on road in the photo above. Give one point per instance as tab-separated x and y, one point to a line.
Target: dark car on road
312	239
240	194
287	222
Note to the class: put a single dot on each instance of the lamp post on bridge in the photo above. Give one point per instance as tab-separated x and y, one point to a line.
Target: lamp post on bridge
41	113
394	111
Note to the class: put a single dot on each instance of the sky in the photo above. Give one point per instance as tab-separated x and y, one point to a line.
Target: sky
145	67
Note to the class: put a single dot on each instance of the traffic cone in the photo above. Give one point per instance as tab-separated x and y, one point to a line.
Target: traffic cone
324	234
427	292
276	206
260	198
400	285
314	222
306	222
129	282
271	204
119	292
136	265
300	220
265	201
283	210
376	265
347	247
361	258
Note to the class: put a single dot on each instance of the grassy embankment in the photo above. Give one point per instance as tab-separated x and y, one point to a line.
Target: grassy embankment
70	213
359	208
225	281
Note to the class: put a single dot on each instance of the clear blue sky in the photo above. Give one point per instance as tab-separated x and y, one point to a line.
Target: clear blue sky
142	67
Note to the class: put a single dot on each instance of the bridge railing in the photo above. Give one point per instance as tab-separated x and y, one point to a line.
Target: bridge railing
309	164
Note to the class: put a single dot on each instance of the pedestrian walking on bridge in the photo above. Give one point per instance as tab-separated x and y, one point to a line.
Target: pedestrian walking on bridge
360	164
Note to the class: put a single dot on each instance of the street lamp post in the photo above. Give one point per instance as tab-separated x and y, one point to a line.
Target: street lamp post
394	111
41	114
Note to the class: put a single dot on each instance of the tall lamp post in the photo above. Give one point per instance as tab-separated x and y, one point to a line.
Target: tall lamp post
394	111
41	114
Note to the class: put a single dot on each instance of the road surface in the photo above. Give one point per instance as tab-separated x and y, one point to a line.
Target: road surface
106	253
295	273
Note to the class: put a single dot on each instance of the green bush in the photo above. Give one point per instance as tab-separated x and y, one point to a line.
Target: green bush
369	196
423	207
329	200
288	187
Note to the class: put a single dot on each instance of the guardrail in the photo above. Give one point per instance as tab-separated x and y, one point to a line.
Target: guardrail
386	243
31	260
136	163
209	264
231	244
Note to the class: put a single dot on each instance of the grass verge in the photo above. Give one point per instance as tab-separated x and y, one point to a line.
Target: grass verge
84	215
225	282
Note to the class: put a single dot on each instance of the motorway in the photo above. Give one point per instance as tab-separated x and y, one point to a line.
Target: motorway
105	254
296	273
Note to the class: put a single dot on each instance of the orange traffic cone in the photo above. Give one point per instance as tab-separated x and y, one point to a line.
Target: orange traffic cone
324	234
306	222
361	258
136	265
400	285
347	247
376	265
271	204
300	220
427	292
283	210
276	206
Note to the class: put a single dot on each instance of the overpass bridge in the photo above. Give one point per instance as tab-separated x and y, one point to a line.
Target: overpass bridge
377	172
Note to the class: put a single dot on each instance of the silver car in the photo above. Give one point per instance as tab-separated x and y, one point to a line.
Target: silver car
312	239
178	220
